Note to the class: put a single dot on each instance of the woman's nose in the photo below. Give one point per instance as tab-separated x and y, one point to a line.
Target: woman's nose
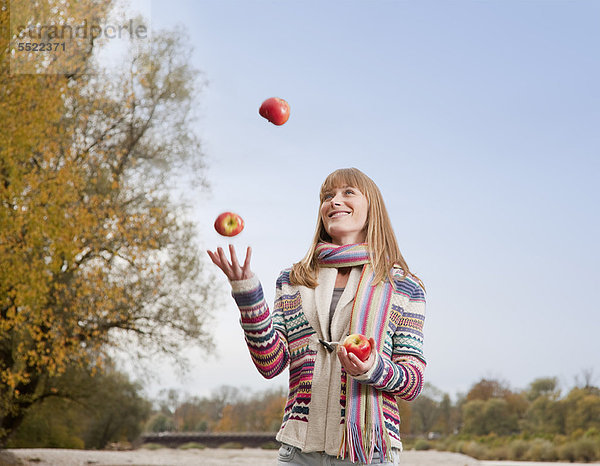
336	201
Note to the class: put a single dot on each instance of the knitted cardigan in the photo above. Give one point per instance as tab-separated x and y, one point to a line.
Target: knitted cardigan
314	413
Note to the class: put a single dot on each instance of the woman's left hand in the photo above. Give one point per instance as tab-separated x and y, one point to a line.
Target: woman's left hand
352	364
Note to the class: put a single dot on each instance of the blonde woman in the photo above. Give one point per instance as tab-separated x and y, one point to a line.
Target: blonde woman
340	410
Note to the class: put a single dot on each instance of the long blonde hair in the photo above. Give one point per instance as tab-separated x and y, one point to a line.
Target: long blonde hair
380	238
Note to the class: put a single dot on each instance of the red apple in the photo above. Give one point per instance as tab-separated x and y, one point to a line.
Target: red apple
276	110
358	345
229	224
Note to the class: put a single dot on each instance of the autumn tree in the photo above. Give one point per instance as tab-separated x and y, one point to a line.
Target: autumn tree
404	408
581	408
544	386
108	407
545	415
490	416
116	410
448	418
227	409
95	255
486	389
425	410
586	378
261	412
492	407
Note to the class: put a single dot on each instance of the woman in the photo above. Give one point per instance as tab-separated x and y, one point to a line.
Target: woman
352	280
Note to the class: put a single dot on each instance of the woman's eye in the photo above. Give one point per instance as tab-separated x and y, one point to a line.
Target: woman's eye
349	191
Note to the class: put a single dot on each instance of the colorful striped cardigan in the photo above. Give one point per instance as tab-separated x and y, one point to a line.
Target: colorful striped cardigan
314	413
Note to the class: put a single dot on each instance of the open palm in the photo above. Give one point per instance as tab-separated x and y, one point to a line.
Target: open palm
232	268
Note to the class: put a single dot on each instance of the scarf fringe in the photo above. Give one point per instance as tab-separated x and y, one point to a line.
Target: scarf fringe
362	449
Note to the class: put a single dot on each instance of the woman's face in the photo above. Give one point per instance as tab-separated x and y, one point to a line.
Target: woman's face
344	213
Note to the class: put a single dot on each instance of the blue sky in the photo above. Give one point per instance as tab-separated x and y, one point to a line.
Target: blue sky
479	122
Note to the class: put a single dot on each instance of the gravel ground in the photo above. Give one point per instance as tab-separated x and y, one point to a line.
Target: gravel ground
529	463
206	457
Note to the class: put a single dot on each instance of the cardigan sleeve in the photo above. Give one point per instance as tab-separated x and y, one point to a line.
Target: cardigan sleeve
402	374
264	333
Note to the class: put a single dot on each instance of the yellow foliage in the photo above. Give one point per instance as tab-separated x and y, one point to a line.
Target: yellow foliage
83	248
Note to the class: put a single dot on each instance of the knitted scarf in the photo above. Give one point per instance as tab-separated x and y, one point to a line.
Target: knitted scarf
365	431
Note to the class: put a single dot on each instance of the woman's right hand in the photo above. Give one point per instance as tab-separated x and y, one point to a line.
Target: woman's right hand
232	269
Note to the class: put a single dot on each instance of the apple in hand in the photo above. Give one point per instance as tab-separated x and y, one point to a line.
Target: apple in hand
229	224
276	110
358	345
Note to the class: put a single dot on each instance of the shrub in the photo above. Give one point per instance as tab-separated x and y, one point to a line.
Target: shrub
541	450
566	452
500	453
585	450
444	444
421	445
592	432
455	447
231	445
192	445
518	449
475	450
408	444
160	423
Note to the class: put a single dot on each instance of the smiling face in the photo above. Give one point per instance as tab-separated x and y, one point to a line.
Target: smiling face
344	213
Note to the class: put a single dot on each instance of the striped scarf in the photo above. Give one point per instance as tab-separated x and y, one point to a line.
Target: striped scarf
365	431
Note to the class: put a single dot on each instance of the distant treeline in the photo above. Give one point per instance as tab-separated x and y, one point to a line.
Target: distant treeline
491	421
228	409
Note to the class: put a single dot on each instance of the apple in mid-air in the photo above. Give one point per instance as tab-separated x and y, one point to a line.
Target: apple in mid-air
276	110
358	345
229	224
